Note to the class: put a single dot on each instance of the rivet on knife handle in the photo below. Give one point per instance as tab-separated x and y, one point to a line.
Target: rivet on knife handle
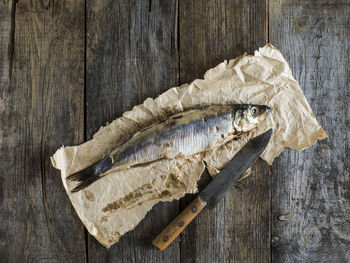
172	231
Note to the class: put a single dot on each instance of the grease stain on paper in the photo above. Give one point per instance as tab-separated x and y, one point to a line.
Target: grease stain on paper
89	195
129	199
145	193
174	182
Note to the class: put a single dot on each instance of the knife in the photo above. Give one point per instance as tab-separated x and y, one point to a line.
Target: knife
215	190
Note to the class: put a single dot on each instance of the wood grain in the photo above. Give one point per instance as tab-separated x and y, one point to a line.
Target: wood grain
311	189
131	55
298	211
174	229
237	229
6	47
212	31
42	84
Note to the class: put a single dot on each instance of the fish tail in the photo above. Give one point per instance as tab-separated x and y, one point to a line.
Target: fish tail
90	174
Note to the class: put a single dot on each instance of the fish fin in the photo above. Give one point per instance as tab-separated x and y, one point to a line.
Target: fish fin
90	174
180	155
170	154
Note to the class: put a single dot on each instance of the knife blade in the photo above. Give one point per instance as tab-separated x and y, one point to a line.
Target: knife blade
217	188
211	195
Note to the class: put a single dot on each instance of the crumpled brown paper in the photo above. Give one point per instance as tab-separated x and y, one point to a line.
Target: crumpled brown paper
116	203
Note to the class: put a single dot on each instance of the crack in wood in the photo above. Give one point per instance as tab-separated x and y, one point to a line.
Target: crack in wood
11	47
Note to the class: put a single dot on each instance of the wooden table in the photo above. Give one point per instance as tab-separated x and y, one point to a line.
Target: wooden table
68	67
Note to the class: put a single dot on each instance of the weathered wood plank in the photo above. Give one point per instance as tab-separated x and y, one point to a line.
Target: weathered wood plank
5	58
42	77
211	31
311	200
131	55
238	229
6	49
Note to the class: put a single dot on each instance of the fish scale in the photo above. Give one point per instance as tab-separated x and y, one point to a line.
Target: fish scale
181	135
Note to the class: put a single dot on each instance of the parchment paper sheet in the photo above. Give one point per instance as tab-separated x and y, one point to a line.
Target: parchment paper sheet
116	203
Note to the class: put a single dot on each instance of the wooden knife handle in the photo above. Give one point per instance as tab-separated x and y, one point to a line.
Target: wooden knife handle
172	231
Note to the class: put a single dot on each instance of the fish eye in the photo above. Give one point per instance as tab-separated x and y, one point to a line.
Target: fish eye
254	111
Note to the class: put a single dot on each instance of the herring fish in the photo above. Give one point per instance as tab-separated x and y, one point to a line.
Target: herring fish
181	135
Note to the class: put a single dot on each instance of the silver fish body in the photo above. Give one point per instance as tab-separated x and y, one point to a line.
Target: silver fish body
181	135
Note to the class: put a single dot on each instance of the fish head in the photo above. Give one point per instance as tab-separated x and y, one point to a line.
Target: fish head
248	116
